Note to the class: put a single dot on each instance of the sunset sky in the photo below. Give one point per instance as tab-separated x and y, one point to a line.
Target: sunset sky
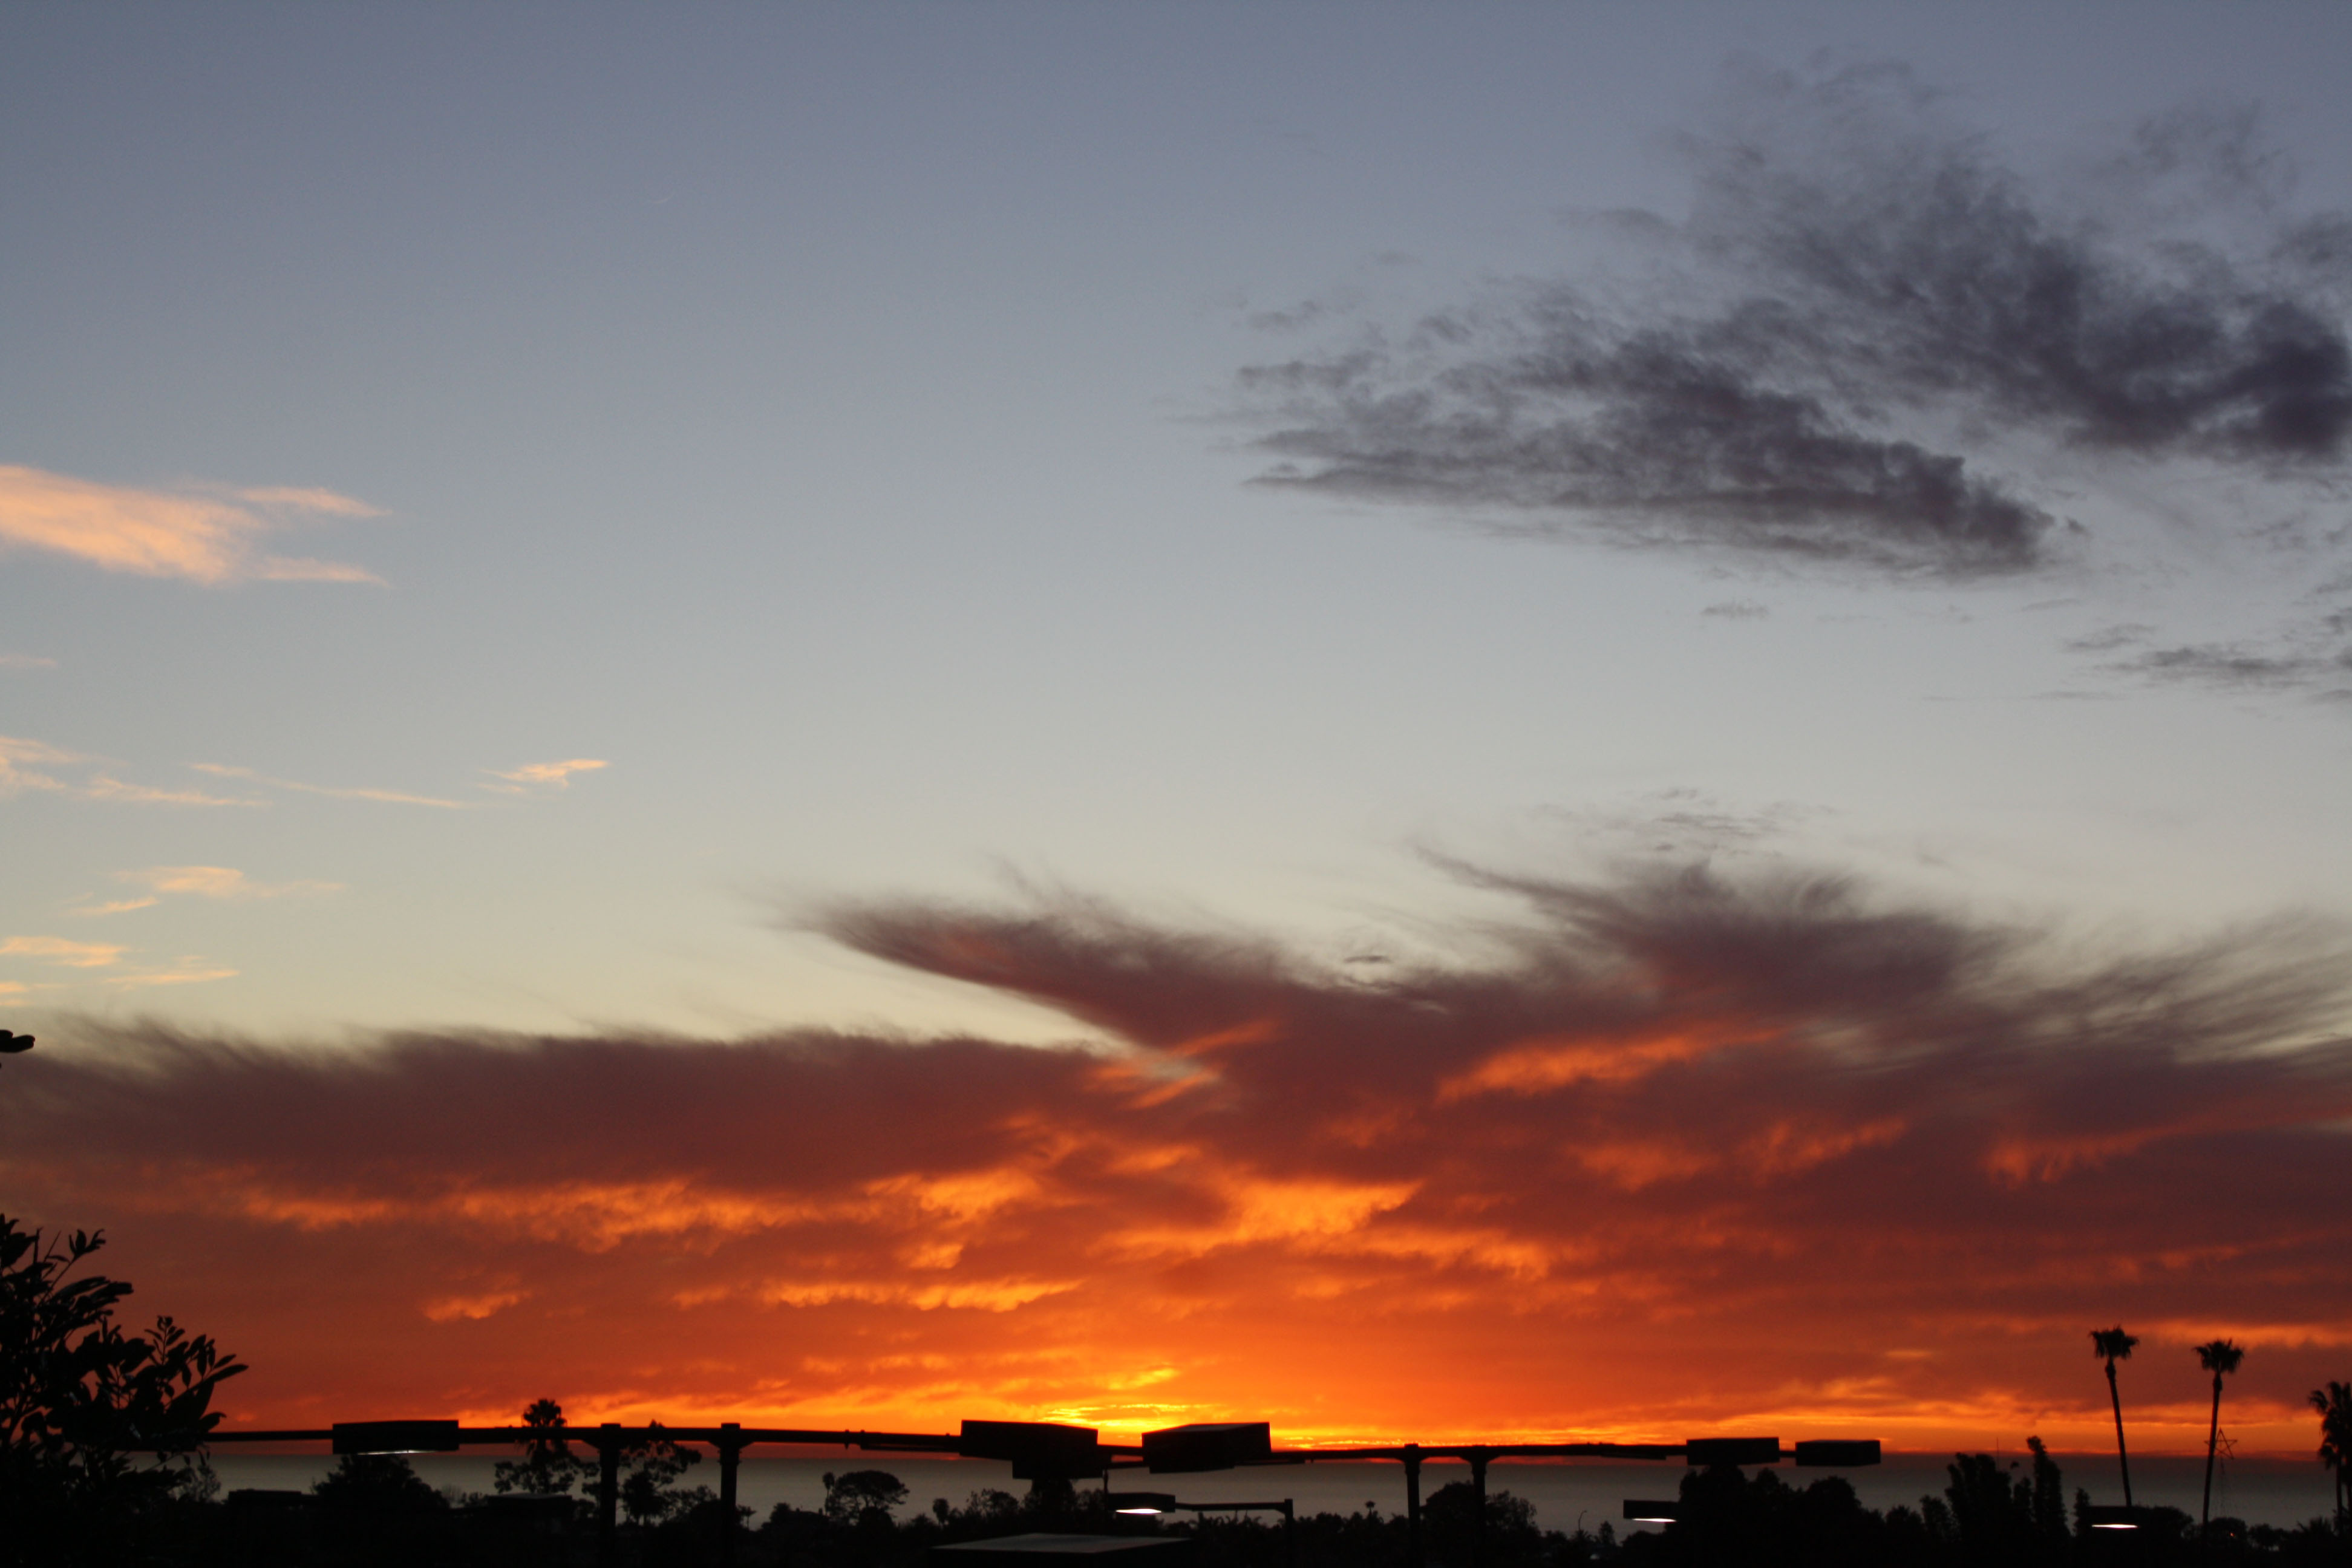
1425	722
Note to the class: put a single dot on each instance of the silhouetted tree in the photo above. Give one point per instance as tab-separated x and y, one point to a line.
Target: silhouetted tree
377	1486
991	1505
862	1496
2113	1345
648	1492
2049	1500
80	1399
548	1463
1450	1515
2220	1357
2333	1403
1988	1517
1727	1521
1050	1498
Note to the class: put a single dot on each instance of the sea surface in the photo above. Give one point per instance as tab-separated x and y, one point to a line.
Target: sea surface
1566	1493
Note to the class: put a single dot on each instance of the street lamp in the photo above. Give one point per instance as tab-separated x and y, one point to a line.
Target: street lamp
15	1045
394	1437
2115	1516
1150	1504
1145	1503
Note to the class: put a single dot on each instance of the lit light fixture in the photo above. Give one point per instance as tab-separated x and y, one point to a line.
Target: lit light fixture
395	1437
1141	1502
2114	1516
1652	1511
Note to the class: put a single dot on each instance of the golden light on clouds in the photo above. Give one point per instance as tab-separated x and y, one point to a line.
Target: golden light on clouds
1327	1229
544	775
205	536
59	950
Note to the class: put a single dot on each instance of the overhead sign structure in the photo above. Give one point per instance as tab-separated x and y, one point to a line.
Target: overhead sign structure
1037	1450
1842	1453
1208	1446
395	1437
1701	1452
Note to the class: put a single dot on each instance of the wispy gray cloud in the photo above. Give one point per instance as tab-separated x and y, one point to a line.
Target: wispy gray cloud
2228	664
1865	280
2311	657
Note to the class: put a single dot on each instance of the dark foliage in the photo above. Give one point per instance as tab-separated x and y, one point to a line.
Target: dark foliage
93	1418
547	1465
862	1496
649	1494
376	1488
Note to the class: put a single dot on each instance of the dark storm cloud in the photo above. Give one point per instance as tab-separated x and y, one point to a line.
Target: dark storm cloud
1657	1111
1880	281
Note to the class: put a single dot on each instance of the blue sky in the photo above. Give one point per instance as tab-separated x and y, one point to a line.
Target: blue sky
826	417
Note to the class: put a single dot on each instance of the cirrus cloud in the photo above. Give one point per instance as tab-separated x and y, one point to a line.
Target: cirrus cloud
225	883
206	535
542	776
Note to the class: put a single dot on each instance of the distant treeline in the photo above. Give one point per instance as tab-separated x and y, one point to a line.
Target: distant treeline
374	1512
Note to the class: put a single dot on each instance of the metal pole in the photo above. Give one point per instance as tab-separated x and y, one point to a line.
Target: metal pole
1289	1534
1478	1457
608	1491
730	1450
1412	1501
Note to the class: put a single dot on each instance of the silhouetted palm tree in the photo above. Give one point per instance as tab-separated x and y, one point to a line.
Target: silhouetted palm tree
2113	1345
2220	1357
2333	1403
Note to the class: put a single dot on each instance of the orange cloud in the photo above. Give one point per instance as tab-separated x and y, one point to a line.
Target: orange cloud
1536	1067
472	1308
27	764
24	764
59	950
1809	1225
222	882
544	775
108	956
387	796
206	537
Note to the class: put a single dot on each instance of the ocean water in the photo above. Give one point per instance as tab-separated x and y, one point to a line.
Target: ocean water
1566	1493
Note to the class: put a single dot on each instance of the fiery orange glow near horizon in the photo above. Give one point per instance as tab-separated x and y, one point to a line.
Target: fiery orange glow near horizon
1690	1157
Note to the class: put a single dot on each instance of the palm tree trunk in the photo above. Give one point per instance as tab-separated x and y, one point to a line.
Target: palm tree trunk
2212	1441
2122	1458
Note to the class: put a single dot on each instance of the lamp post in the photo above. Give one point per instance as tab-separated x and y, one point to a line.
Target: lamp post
1149	1504
608	1489
15	1045
730	1454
